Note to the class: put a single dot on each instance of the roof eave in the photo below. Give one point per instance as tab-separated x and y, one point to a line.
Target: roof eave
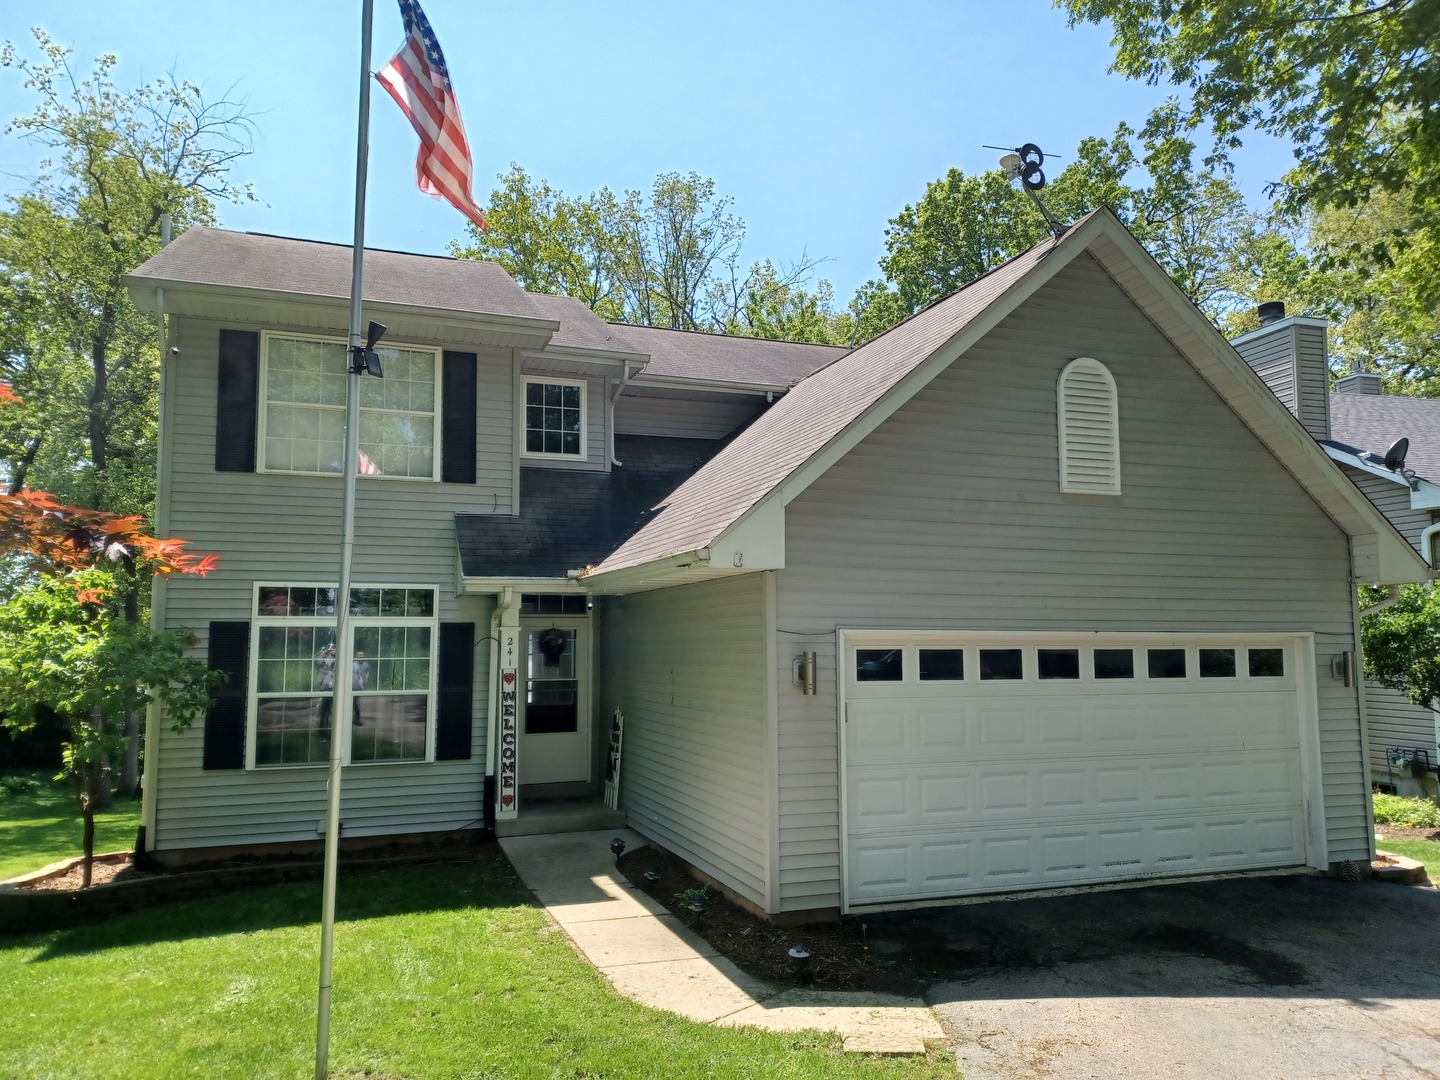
209	300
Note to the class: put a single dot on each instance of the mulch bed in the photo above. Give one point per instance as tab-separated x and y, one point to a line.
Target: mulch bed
840	959
1395	832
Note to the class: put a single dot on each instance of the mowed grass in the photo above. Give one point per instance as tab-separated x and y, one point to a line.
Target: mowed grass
1427	851
41	828
443	970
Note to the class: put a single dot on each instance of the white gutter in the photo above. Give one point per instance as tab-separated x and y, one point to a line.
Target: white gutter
610	424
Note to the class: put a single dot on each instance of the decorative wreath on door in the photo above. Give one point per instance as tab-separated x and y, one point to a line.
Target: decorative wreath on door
552	645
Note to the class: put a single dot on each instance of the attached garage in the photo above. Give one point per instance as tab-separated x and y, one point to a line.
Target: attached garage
995	762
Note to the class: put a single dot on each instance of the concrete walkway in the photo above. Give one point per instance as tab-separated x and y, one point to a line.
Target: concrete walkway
650	957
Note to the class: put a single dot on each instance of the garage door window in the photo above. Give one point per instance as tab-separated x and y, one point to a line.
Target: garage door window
1267	663
1114	664
1059	663
1166	663
1000	664
942	665
1217	663
879	665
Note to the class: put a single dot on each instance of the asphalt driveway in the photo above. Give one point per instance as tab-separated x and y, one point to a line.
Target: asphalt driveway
1285	977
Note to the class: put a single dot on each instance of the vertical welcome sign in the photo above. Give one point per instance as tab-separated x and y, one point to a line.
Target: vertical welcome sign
506	793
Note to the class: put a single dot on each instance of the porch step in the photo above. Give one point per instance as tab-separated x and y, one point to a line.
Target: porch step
561	817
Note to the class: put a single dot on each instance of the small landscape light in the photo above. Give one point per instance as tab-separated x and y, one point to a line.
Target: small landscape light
617	848
652	876
800	961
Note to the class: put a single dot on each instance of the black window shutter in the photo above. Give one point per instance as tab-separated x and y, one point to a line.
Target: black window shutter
457	683
225	720
236	400
457	419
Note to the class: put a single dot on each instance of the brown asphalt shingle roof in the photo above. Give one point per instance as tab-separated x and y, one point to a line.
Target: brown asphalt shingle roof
807	418
1374	421
311	268
580	328
687	354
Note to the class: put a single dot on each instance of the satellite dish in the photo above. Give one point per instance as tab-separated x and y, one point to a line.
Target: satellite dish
1395	456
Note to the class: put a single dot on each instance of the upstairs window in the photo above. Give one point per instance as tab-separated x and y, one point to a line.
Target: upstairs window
303	416
1089	417
554	419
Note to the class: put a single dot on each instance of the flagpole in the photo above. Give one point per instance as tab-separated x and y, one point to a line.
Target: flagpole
341	713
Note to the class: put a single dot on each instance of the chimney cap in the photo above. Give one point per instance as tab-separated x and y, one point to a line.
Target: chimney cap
1271	312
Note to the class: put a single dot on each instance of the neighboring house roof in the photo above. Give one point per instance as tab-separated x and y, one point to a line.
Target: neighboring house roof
240	260
574	519
1374	421
745	486
688	354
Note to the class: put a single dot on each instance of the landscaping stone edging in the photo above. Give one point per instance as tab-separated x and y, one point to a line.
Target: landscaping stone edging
27	911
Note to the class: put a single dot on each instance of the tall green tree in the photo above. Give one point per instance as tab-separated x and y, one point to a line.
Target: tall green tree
80	356
1352	85
1190	217
670	258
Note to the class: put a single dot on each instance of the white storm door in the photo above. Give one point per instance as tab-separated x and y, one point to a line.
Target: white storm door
555	702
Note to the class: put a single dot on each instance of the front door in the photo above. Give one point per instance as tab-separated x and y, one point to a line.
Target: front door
555	704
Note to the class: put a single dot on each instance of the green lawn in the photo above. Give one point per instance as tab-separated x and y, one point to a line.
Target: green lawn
1427	851
44	827
440	971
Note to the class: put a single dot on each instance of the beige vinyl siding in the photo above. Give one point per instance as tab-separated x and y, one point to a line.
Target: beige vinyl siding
1313	405
682	418
1394	721
1392	500
949	516
286	529
687	667
1273	358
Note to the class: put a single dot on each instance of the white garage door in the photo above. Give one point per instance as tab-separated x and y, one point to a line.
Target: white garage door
984	764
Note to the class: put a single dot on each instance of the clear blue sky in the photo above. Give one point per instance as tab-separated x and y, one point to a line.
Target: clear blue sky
821	120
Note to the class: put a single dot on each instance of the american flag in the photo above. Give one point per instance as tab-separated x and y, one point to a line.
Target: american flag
365	466
416	77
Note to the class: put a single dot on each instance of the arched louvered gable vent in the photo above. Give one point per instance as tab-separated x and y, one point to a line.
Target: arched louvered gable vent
1089	429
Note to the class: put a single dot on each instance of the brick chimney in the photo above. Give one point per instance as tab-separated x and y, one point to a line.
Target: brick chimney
1290	353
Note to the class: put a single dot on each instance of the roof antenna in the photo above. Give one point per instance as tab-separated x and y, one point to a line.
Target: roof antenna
1023	164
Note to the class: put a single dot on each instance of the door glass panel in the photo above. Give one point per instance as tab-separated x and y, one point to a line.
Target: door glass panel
1000	664
1114	664
1059	663
551	689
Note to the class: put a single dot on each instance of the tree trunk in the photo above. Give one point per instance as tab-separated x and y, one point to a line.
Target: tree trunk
101	797
87	809
20	467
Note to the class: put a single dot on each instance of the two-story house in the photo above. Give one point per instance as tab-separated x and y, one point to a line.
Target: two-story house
1042	587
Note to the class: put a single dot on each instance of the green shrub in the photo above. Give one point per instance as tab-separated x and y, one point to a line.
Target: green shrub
1406	813
18	785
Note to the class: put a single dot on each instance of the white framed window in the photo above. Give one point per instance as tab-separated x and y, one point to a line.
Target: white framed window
294	663
553	424
302	415
1089	417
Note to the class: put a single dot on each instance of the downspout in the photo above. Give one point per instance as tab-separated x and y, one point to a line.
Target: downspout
1390	601
1427	543
145	840
610	424
504	604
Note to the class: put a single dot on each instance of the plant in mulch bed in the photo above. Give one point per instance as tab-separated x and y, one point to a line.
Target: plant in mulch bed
838	956
1405	813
